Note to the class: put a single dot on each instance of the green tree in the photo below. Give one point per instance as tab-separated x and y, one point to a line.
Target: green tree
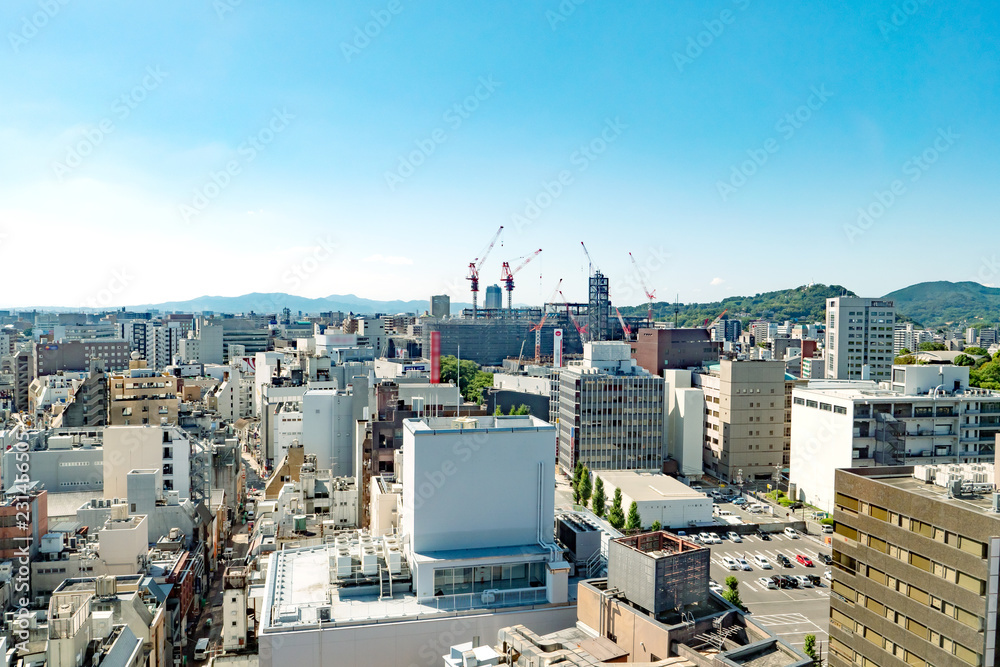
520	410
449	371
577	474
976	351
634	521
474	390
498	412
656	526
905	351
616	516
599	499
964	360
586	487
809	647
932	347
732	592
905	360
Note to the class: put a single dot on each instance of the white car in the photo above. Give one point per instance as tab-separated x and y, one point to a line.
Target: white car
704	538
734	537
761	561
715	586
803	581
731	563
766	582
715	538
744	564
792	533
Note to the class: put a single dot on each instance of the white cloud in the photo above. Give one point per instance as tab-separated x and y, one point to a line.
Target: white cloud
717	281
388	259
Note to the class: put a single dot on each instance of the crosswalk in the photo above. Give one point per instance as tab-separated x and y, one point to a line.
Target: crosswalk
773	620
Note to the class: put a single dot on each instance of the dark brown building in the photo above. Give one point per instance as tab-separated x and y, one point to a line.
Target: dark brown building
658	349
916	568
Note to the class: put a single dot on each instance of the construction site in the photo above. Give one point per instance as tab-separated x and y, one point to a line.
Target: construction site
487	336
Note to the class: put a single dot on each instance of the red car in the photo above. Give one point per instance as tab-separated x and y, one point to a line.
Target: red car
805	560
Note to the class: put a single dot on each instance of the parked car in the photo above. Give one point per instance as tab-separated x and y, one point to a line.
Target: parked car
827	528
705	538
826	558
764	536
803	581
815	580
731	563
734	537
740	501
784	560
744	564
804	560
784	581
792	533
715	586
767	582
761	561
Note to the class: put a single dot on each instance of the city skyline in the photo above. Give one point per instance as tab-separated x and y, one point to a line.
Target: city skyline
733	148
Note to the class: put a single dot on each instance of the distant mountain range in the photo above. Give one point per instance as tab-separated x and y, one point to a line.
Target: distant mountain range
273	302
941	303
930	304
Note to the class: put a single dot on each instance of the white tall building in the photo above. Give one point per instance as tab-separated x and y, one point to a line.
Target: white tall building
328	429
859	338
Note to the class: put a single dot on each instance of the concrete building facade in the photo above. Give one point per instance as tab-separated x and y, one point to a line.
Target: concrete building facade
859	338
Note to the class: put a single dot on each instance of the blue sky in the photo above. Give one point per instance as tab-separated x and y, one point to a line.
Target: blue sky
188	148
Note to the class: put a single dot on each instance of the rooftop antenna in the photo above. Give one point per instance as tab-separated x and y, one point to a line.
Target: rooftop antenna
677	310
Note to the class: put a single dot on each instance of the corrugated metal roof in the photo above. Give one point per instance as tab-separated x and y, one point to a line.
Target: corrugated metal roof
122	650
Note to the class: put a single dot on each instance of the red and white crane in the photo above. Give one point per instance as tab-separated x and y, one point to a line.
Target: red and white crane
474	267
581	330
538	327
625	328
507	276
649	295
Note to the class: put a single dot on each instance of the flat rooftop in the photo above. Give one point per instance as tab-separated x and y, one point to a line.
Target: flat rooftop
298	585
901	477
427	425
646	486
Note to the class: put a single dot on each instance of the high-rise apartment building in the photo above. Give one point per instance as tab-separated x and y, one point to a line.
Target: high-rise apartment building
859	338
610	412
916	566
141	395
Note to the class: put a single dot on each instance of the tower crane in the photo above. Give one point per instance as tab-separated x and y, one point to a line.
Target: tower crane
474	267
538	327
507	276
649	295
581	330
625	328
716	320
590	262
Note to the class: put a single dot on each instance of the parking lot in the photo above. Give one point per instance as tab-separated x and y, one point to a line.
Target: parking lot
789	613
